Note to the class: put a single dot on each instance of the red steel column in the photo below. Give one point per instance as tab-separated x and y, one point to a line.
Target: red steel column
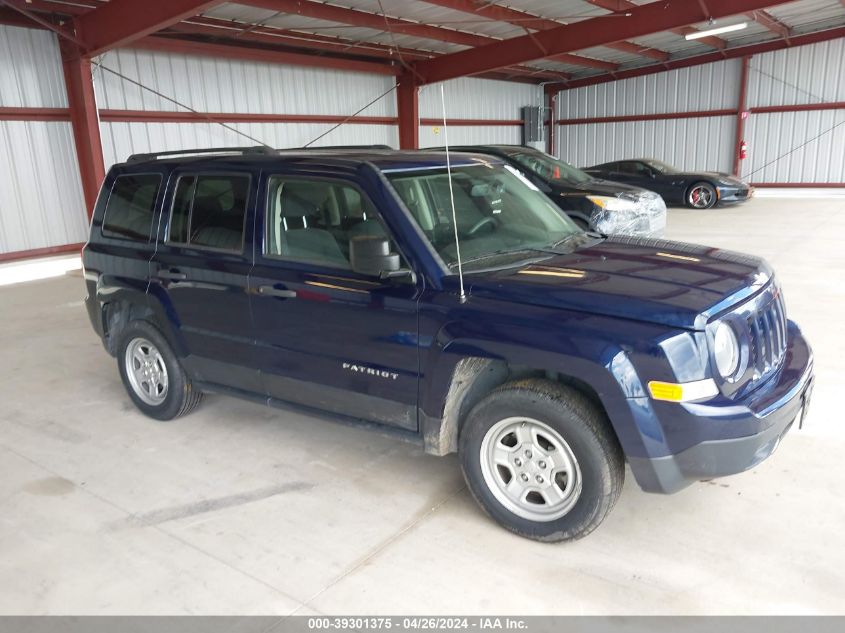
741	110
83	119
408	108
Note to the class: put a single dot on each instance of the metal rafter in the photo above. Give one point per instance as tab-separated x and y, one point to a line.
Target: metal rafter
698	60
767	20
625	5
354	17
529	21
640	21
231	32
121	22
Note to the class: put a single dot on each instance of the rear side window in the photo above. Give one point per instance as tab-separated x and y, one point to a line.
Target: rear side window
131	207
209	211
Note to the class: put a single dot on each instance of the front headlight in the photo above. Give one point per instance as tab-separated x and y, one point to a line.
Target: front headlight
726	350
612	203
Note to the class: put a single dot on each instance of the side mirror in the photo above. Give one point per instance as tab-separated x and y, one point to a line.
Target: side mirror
370	255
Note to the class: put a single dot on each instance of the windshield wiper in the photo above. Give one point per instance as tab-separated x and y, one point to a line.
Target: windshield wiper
504	251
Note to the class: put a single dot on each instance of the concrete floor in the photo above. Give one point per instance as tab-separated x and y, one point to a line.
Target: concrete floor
241	509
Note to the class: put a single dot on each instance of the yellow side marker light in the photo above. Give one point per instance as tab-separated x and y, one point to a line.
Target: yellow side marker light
684	391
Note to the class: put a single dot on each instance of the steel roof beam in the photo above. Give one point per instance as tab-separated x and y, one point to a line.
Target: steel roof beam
121	22
624	5
639	21
770	22
525	20
697	60
354	17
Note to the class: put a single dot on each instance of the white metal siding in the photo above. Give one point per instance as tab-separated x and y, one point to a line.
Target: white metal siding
472	98
700	143
709	87
30	69
806	74
471	135
41	201
780	148
782	141
122	139
228	85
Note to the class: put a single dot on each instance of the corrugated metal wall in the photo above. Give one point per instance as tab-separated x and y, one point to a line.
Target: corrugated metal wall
473	98
41	203
806	74
709	87
779	151
699	143
232	86
122	139
696	143
782	147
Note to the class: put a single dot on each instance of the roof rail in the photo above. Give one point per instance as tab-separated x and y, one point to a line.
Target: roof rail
349	147
255	149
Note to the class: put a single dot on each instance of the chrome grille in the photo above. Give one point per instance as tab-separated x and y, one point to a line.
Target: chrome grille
767	326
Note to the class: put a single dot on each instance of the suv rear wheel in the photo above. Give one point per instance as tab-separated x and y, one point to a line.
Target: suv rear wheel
541	459
152	374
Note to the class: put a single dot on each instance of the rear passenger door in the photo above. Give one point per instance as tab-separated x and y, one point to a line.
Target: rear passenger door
328	337
200	272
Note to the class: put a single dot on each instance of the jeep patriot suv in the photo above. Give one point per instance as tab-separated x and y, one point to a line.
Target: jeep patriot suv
330	280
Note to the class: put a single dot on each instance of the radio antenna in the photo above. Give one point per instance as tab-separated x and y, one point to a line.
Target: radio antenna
463	296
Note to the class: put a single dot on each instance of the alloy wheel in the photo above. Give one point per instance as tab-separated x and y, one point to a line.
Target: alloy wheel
146	371
530	469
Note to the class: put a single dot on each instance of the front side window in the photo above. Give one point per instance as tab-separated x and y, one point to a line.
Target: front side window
131	207
550	168
209	211
498	212
661	167
314	220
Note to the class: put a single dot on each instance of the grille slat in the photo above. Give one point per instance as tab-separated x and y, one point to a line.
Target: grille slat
768	336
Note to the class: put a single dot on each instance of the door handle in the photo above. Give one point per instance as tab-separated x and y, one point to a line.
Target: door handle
270	291
174	275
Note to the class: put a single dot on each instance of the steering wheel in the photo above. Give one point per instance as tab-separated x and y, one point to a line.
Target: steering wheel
480	225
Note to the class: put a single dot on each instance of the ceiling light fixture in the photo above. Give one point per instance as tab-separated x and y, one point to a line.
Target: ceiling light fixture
716	31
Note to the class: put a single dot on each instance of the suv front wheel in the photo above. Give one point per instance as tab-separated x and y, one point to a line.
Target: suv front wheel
541	459
152	374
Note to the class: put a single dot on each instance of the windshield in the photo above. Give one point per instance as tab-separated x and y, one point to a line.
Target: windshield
550	168
498	212
663	168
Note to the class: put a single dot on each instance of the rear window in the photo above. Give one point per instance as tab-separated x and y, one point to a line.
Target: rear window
131	207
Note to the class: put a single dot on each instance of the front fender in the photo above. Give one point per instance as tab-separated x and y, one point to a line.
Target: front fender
605	366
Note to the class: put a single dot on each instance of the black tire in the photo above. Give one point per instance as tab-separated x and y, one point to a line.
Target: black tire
586	430
181	397
701	191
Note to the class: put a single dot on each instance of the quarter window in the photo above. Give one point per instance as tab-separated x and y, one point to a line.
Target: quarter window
312	220
131	207
209	211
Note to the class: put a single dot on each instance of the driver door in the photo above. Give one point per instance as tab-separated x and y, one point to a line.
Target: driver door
328	337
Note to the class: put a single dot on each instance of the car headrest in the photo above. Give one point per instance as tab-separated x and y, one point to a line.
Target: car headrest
298	200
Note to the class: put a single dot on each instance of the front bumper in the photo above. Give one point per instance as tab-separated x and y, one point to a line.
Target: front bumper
735	194
772	409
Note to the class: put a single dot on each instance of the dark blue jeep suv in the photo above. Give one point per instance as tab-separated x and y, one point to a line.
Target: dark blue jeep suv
332	280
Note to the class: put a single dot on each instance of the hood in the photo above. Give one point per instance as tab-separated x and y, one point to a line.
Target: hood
657	281
594	187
